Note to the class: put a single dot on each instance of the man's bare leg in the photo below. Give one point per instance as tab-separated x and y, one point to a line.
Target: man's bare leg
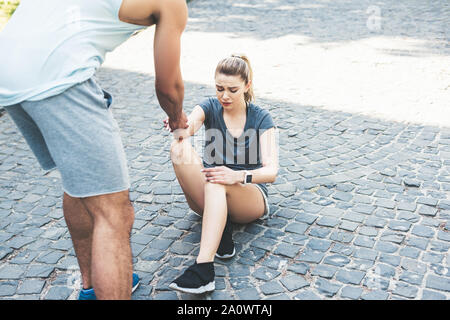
110	259
80	225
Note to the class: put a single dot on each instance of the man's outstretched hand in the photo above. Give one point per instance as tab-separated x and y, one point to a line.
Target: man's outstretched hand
178	126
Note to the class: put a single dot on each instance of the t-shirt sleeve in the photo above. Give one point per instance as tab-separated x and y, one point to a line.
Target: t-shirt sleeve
266	121
207	106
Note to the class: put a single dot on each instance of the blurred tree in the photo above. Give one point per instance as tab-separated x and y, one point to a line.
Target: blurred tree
7	8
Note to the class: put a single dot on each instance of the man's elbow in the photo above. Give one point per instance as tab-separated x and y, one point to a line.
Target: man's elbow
169	90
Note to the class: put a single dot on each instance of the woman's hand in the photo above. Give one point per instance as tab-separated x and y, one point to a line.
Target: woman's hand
223	175
181	131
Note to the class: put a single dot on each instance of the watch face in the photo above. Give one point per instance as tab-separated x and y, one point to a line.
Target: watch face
248	178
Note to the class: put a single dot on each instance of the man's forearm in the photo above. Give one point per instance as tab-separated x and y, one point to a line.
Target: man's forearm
171	101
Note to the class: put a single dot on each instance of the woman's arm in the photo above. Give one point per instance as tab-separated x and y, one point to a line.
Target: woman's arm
195	122
266	174
269	157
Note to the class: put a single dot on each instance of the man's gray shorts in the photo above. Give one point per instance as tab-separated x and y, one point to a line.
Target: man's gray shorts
76	133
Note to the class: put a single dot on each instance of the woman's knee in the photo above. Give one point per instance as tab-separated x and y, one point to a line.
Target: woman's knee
181	152
214	188
176	149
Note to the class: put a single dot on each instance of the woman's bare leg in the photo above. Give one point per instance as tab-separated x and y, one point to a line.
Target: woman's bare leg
244	203
214	219
187	165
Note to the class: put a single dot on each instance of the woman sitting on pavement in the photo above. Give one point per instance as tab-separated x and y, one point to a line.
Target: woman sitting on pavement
240	156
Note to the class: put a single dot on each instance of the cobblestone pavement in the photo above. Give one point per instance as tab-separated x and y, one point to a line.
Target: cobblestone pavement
361	206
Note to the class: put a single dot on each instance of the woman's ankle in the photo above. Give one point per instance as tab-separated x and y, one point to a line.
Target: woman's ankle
204	260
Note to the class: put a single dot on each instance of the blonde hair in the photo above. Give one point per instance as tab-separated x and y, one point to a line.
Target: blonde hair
238	65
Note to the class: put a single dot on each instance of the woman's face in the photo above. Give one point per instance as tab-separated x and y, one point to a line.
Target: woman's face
230	90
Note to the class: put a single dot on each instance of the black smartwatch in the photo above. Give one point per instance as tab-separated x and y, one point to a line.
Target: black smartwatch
248	177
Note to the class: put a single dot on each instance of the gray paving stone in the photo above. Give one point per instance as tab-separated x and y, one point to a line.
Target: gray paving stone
367	254
306	218
337	260
318	244
310	256
343	236
296	227
307	295
407	206
411	278
50	257
294	282
405	290
409	252
39	271
165	295
248	294
238	270
300	268
364	209
8	288
324	271
445	236
432	257
265	274
239	283
350	277
264	243
350	292
413	265
319	232
11	272
273	262
5	251
375	222
328	222
287	250
58	293
19	241
161	244
438	283
342	249
428	210
394	237
363	241
419	243
423	231
375	295
440	246
327	288
354	217
386	247
348	226
31	286
253	254
432	295
399	225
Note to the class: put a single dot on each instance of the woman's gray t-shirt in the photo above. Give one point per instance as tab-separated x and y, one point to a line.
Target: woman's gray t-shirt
222	149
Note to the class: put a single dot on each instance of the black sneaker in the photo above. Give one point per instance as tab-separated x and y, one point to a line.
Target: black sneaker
226	247
198	278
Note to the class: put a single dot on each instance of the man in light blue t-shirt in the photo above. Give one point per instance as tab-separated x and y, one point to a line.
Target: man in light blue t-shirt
51	50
